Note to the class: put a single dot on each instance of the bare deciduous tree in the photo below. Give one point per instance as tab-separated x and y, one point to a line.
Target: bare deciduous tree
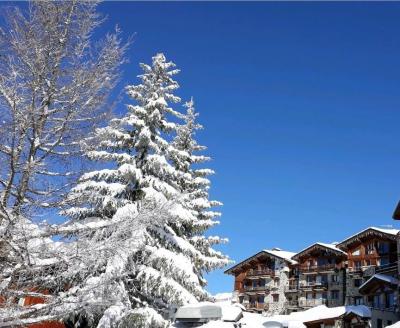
54	83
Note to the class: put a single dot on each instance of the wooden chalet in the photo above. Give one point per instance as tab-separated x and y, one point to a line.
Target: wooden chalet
261	280
321	269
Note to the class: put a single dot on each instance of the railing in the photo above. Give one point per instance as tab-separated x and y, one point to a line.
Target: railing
387	267
309	284
334	303
292	303
335	283
255	288
381	307
263	272
312	302
256	306
291	288
318	268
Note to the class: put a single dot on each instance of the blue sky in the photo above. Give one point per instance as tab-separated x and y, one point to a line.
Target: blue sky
301	108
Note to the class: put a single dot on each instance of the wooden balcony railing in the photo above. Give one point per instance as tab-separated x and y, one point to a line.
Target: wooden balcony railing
255	288
291	288
318	268
313	284
256	306
292	303
263	272
334	303
312	302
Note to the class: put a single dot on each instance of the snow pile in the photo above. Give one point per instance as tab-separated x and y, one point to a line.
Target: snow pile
395	325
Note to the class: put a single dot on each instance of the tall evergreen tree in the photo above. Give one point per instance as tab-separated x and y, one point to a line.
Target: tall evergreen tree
194	184
161	260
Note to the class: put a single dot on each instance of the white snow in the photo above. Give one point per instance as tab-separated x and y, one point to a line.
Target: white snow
383	277
282	254
320	313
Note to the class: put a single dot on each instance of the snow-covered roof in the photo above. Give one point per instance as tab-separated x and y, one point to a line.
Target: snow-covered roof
395	325
381	277
331	247
388	232
285	255
321	312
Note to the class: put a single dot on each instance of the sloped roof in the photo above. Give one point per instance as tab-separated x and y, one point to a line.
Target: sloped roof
396	214
320	313
386	232
383	278
285	255
331	247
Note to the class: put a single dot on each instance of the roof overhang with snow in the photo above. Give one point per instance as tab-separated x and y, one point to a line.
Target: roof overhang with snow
388	234
376	281
329	248
396	214
260	256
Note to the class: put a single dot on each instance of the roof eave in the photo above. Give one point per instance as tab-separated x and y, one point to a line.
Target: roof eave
396	214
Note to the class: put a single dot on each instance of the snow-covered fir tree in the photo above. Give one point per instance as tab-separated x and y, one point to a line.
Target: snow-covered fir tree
194	185
158	259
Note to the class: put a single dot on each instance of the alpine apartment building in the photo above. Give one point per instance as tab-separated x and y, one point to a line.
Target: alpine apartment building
361	270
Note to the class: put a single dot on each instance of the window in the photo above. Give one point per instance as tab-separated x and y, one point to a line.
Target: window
358	300
335	278
309	296
384	261
357	264
370	248
383	247
335	294
241	299
260	299
389	300
262	282
275	298
377	302
358	282
356	252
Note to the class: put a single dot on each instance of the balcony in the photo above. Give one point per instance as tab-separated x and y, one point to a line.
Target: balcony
318	268
292	288
292	304
335	283
312	302
257	273
391	267
255	288
256	306
334	303
313	284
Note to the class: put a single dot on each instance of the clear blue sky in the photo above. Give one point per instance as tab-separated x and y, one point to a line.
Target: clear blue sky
301	108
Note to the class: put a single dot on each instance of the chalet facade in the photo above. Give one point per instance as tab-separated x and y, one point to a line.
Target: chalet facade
371	269
262	280
321	269
361	270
